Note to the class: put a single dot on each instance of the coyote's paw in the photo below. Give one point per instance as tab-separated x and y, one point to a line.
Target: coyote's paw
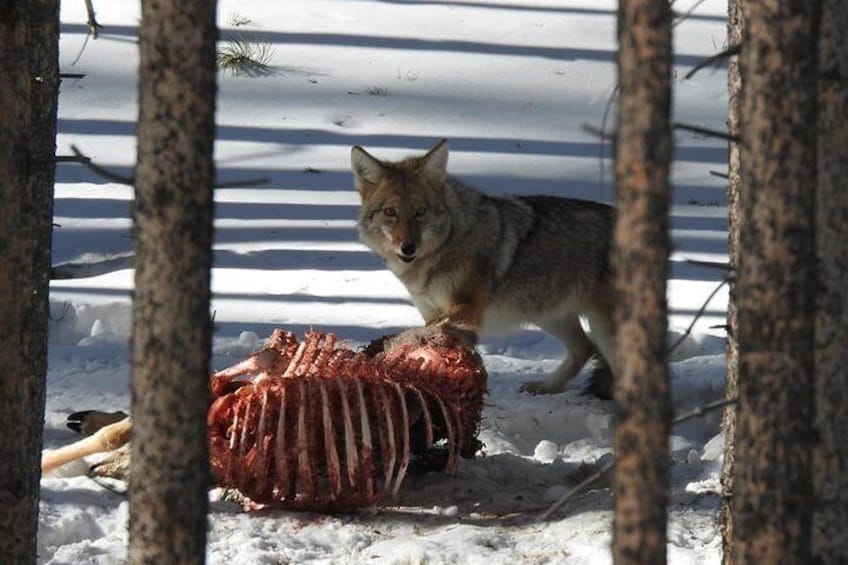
540	387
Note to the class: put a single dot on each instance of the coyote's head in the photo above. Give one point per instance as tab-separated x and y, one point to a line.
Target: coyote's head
404	216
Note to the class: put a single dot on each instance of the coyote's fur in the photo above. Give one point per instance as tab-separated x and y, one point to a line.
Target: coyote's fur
474	262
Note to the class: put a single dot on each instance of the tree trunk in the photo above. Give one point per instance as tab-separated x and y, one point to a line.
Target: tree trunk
640	264
735	26
830	475
173	216
29	79
772	506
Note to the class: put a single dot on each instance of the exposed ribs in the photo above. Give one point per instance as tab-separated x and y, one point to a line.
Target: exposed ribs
314	425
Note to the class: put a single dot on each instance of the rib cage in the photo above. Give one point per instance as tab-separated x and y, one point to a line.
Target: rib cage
311	425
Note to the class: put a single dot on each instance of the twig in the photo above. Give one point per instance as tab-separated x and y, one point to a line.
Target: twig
703	410
708	264
603	471
130	180
685	15
72	159
241	183
706	131
703	308
101	171
66	306
604	118
585	483
106	485
729	52
597	132
72	75
719	174
82	49
93	26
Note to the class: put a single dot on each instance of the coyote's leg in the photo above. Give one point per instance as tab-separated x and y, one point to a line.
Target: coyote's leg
580	349
107	438
602	328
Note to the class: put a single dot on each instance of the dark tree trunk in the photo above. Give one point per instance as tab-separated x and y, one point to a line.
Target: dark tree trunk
171	327
735	26
640	263
29	78
772	505
830	478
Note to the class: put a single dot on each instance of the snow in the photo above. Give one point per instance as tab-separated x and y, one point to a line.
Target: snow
511	83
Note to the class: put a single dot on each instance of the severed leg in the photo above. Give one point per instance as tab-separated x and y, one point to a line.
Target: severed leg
107	438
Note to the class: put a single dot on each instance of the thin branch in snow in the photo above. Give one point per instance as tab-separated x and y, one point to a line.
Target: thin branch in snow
729	52
604	118
93	26
706	131
242	183
101	171
72	159
698	315
82	50
586	483
703	410
597	132
603	471
678	18
130	180
708	264
93	29
719	174
66	306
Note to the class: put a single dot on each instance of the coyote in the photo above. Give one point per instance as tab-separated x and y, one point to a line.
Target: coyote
477	263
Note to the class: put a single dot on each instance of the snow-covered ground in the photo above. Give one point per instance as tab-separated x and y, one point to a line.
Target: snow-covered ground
511	83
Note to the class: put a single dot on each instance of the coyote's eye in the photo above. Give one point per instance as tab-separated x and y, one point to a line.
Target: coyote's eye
420	212
390	212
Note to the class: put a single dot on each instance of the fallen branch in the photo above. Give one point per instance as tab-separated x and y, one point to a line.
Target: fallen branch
85	160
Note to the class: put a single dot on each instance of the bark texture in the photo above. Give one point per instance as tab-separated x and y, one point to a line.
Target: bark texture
772	505
735	26
29	35
830	478
640	262
171	328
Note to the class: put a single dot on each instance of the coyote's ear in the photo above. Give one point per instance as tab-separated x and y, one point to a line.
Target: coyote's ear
367	170
435	162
